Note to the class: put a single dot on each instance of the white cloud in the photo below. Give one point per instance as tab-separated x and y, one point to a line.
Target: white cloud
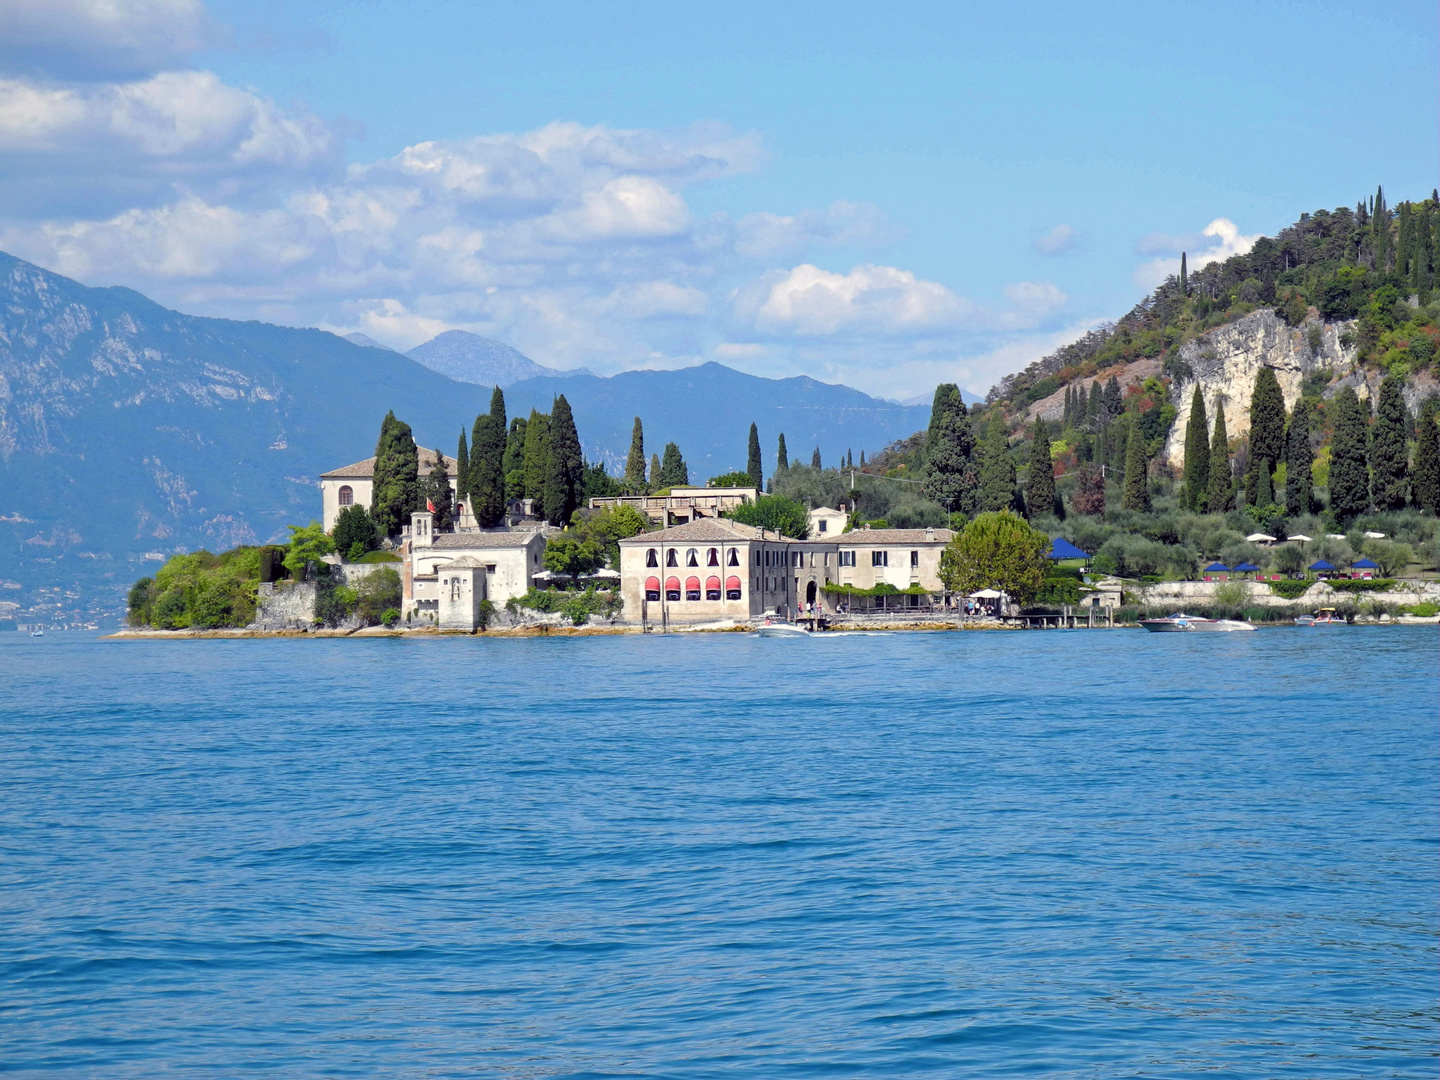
843	224
98	39
810	302
1057	241
1215	243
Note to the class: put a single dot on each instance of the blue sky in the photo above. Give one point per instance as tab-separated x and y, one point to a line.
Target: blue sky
886	197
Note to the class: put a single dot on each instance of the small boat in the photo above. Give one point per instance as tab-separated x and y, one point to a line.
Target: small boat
773	629
1179	623
39	631
1325	616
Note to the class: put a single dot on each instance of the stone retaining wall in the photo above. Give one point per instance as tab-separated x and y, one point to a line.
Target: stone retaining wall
1320	594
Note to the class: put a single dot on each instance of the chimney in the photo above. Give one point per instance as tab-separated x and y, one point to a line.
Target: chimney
929	534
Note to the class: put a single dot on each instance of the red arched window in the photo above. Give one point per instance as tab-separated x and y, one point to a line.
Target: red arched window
732	588
672	588
712	588
692	588
347	495
652	588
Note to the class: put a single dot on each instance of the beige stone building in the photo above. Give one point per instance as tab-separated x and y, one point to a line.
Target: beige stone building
683	504
353	485
827	523
899	557
502	563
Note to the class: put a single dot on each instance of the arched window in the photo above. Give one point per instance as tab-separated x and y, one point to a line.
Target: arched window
692	588
652	559
347	495
712	588
713	559
734	559
652	588
670	559
732	588
691	560
672	588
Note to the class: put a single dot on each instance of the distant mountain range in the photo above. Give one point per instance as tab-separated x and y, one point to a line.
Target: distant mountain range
127	429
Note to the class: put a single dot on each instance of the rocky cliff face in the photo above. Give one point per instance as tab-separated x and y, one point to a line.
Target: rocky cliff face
1226	361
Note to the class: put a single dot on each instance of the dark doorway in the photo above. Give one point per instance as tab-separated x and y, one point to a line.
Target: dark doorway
810	593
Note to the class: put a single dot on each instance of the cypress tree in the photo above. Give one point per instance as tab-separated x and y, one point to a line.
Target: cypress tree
782	459
1197	453
395	491
815	459
1220	489
1184	276
462	471
1349	477
1094	406
437	494
997	467
1299	480
1040	484
1113	401
1136	495
849	459
1389	454
673	470
655	471
537	459
566	465
862	459
1264	492
950	469
487	471
635	463
1067	411
1427	460
514	461
1267	428
752	460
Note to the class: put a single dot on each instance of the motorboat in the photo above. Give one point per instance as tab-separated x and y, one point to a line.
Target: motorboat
774	629
1325	616
39	631
1180	623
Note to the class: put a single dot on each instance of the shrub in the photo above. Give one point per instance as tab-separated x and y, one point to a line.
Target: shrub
354	526
1232	594
376	594
390	616
1290	589
1362	586
1425	610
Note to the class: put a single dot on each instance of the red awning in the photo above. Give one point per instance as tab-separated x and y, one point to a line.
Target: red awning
714	582
732	583
652	584
692	583
672	584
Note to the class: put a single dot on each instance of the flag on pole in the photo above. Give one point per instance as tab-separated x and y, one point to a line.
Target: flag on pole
429	505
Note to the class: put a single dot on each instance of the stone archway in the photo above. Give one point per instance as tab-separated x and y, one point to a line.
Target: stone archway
810	592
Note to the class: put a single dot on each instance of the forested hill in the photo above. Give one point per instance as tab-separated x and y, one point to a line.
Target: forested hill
1373	263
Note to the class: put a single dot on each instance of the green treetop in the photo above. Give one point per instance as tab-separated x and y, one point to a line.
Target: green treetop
1267	429
537	459
997	467
1299	458
462	469
436	492
354	532
562	476
997	551
487	471
753	465
1197	453
1349	477
396	479
673	470
1427	460
815	459
513	464
570	553
1389	453
782	459
1040	484
308	544
775	512
1136	494
1220	487
635	461
950	472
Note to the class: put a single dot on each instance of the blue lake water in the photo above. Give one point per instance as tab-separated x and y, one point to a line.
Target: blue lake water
1077	854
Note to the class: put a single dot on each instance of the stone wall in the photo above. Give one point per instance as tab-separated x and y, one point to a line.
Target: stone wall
285	605
1179	593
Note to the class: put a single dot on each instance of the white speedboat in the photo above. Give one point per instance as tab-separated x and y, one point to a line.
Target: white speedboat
38	632
781	630
1178	623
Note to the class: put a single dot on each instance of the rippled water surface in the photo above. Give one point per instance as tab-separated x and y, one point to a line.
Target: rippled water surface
1085	854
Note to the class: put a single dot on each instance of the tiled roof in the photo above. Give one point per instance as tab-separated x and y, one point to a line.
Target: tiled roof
862	537
477	541
364	470
700	531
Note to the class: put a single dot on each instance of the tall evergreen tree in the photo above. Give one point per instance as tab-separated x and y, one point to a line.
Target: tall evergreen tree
1264	492
462	472
673	470
1197	453
1349	477
1427	460
862	459
997	467
951	473
1094	406
815	459
1184	276
1067	410
753	464
395	491
782	459
1299	458
1113	400
565	467
1267	428
537	459
1136	493
655	471
487	470
635	463
1040	484
1389	453
514	461
1220	489
438	496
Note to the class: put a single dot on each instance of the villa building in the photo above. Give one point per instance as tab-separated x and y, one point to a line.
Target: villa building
352	485
826	523
499	564
683	504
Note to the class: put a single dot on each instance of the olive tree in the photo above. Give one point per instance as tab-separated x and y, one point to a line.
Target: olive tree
997	550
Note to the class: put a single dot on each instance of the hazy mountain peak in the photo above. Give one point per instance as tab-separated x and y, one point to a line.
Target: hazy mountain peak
366	340
470	358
